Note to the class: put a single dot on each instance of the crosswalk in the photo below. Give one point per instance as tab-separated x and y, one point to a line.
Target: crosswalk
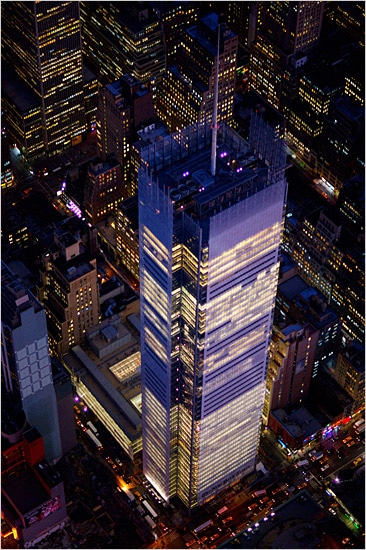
313	483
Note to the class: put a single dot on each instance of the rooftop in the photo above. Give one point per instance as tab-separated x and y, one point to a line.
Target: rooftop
18	92
15	298
25	500
298	423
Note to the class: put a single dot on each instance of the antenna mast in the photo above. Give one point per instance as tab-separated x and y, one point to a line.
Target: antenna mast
214	126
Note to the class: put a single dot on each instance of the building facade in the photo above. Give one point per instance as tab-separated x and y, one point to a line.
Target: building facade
185	94
290	367
32	492
208	271
350	374
69	291
104	189
41	42
26	362
122	38
127	236
288	32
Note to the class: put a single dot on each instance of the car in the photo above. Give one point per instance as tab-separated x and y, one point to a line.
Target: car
215	536
348	438
325	467
225	520
350	443
357	460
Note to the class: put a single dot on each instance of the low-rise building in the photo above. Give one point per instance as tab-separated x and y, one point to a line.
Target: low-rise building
106	375
32	492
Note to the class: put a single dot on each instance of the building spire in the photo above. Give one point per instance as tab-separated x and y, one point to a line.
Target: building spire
214	125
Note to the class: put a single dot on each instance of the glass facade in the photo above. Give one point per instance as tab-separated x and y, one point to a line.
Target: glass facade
208	275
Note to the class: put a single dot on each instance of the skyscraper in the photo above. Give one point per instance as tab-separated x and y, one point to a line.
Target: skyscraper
185	94
69	289
41	42
209	246
25	358
290	31
122	37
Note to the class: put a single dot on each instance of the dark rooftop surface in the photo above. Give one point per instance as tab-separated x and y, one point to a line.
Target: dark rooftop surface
25	500
17	91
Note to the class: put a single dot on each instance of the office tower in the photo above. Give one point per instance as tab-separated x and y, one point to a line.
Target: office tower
349	16
120	38
23	113
351	204
242	18
305	337
289	32
65	405
303	304
350	373
90	97
209	235
293	26
290	366
355	77
26	363
104	189
342	148
69	289
126	234
7	177
41	42
175	17
330	257
185	94
307	111
123	106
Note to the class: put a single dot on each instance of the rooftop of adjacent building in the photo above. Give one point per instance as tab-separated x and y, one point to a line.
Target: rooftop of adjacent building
115	380
298	422
354	352
349	109
136	17
205	32
17	91
15	298
130	208
108	331
310	300
98	166
251	101
150	133
26	491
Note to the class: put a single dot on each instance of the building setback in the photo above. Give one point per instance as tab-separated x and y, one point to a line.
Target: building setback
209	246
